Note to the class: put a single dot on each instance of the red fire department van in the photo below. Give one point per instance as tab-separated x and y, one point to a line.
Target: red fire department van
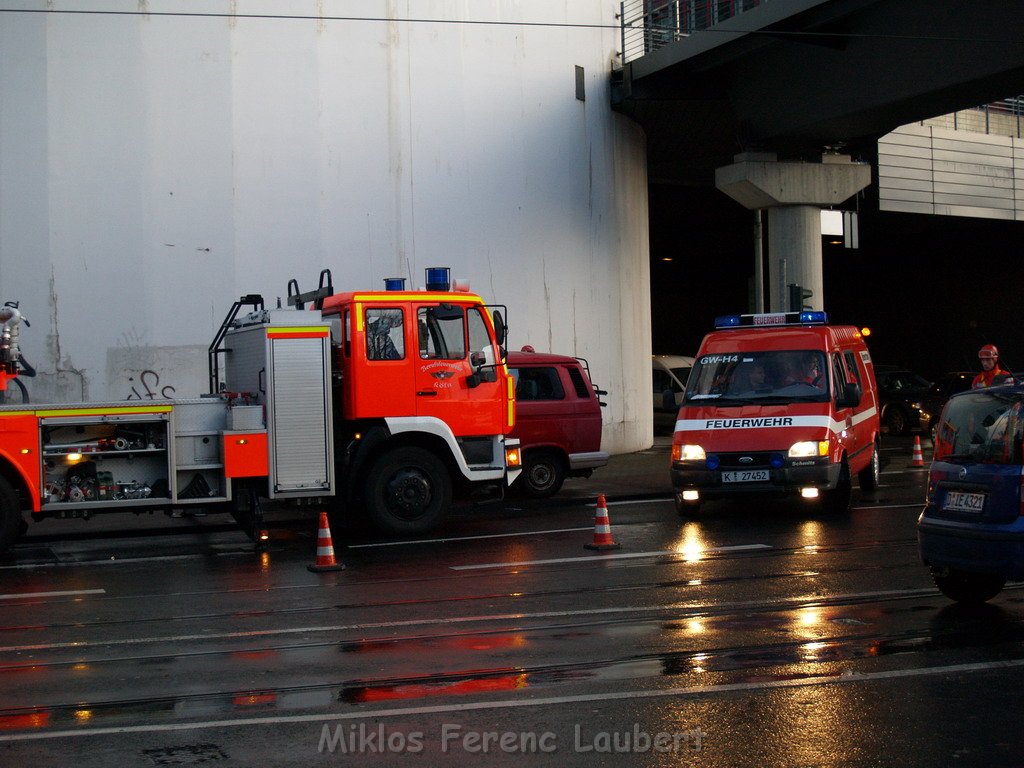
781	404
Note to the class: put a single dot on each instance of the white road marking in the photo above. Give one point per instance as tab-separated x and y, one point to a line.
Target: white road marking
69	593
846	678
468	538
451	539
919	505
656	553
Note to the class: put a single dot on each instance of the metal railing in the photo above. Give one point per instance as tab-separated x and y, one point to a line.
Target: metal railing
650	24
1000	118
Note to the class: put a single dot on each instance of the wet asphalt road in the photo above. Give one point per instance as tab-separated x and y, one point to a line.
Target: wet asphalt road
756	635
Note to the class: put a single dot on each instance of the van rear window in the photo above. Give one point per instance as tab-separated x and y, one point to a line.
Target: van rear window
981	428
577	383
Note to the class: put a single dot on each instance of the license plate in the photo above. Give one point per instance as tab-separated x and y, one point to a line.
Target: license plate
746	476
963	501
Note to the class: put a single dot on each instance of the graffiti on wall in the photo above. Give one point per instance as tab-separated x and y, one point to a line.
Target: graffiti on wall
149	383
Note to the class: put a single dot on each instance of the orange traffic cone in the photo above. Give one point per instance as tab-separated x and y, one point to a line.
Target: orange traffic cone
602	528
917	459
325	549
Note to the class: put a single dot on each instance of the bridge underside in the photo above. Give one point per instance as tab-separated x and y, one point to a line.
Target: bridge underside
796	77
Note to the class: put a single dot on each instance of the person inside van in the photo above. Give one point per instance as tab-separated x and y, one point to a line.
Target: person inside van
802	368
751	377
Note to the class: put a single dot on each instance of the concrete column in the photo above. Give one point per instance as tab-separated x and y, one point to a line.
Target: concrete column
794	194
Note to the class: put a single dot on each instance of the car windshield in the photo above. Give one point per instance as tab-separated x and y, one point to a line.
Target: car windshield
901	381
777	376
981	427
681	373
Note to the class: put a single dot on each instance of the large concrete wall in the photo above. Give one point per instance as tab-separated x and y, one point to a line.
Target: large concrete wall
155	168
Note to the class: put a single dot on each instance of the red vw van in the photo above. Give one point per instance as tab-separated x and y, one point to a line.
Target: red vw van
558	420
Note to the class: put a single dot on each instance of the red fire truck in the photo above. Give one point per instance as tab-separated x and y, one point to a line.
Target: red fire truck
388	402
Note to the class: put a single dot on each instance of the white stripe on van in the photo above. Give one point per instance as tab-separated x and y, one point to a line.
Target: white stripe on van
770	422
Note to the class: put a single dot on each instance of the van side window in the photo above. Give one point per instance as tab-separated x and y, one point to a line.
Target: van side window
538	384
838	374
851	366
578	383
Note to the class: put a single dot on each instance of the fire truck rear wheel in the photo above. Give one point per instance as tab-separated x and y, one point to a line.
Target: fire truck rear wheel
11	522
408	491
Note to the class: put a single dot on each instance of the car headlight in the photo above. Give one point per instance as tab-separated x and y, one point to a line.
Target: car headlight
688	453
808	448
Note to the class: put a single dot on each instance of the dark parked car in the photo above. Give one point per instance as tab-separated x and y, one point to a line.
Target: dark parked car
971	532
947	385
899	396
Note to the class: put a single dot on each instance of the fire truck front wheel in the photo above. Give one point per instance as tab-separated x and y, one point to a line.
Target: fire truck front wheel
408	491
11	522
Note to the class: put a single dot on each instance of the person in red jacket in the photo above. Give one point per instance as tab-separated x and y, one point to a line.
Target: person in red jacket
992	374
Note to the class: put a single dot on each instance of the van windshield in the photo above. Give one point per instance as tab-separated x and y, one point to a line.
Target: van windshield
776	376
981	428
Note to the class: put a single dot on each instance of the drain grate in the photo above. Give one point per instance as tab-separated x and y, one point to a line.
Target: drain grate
190	754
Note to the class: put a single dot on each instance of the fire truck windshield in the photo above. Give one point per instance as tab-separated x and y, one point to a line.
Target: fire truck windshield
777	375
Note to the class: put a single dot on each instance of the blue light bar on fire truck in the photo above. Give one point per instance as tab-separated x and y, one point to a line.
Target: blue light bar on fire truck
772	319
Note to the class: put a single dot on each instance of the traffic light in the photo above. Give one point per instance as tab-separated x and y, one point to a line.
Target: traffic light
798	297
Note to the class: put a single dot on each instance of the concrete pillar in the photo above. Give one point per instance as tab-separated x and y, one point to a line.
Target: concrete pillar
794	194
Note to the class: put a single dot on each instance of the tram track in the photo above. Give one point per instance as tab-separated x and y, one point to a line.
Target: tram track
790	659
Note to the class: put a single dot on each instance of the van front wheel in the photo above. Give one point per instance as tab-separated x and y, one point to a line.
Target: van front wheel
543	474
837	501
871	474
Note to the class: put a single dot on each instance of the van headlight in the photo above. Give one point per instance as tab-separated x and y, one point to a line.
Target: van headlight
688	453
808	449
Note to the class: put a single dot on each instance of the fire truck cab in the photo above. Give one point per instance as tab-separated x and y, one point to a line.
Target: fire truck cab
777	404
424	400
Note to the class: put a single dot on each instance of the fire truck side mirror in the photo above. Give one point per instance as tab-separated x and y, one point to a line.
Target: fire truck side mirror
499	329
